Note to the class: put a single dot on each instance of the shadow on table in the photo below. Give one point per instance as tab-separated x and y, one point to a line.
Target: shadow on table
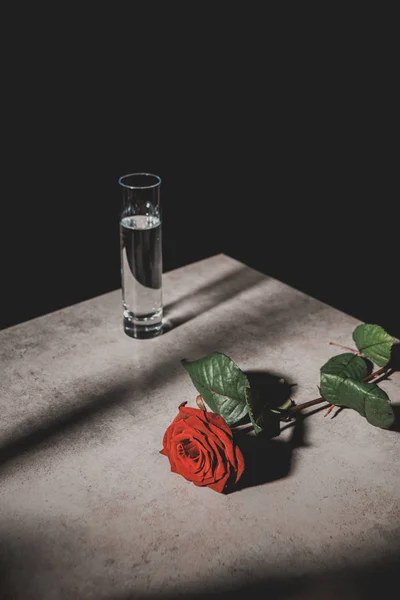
208	296
33	566
51	430
269	387
79	417
268	459
367	581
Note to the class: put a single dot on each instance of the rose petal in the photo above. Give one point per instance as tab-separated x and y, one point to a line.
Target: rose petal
219	421
221	466
220	485
191	436
240	463
228	442
185	464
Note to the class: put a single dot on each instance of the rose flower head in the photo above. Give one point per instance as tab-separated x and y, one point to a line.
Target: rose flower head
200	447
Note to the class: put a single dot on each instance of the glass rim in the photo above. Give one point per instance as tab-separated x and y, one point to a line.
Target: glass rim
139	187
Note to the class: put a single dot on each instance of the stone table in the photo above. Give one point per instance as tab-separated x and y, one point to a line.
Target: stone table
88	506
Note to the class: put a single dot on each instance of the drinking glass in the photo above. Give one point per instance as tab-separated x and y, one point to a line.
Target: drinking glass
141	255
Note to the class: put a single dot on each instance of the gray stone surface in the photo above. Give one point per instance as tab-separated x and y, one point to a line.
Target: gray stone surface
88	507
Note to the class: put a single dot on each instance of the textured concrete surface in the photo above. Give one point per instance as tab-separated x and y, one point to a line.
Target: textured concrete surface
88	507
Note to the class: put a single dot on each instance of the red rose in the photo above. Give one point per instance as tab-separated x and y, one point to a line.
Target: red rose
200	447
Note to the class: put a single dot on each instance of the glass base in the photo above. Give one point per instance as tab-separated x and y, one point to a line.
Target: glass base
142	328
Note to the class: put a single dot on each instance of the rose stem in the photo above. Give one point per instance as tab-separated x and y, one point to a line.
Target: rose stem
382	372
330	409
344	347
300	407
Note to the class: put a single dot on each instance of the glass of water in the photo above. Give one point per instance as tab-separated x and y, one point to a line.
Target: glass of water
141	255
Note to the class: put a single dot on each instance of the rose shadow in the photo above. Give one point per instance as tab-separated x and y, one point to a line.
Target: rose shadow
269	387
268	460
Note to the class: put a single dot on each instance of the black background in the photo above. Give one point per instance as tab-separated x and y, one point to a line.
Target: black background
276	147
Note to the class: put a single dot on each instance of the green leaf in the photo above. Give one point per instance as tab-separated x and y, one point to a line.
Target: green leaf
253	418
368	400
227	391
222	385
346	365
374	342
341	385
338	369
378	410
